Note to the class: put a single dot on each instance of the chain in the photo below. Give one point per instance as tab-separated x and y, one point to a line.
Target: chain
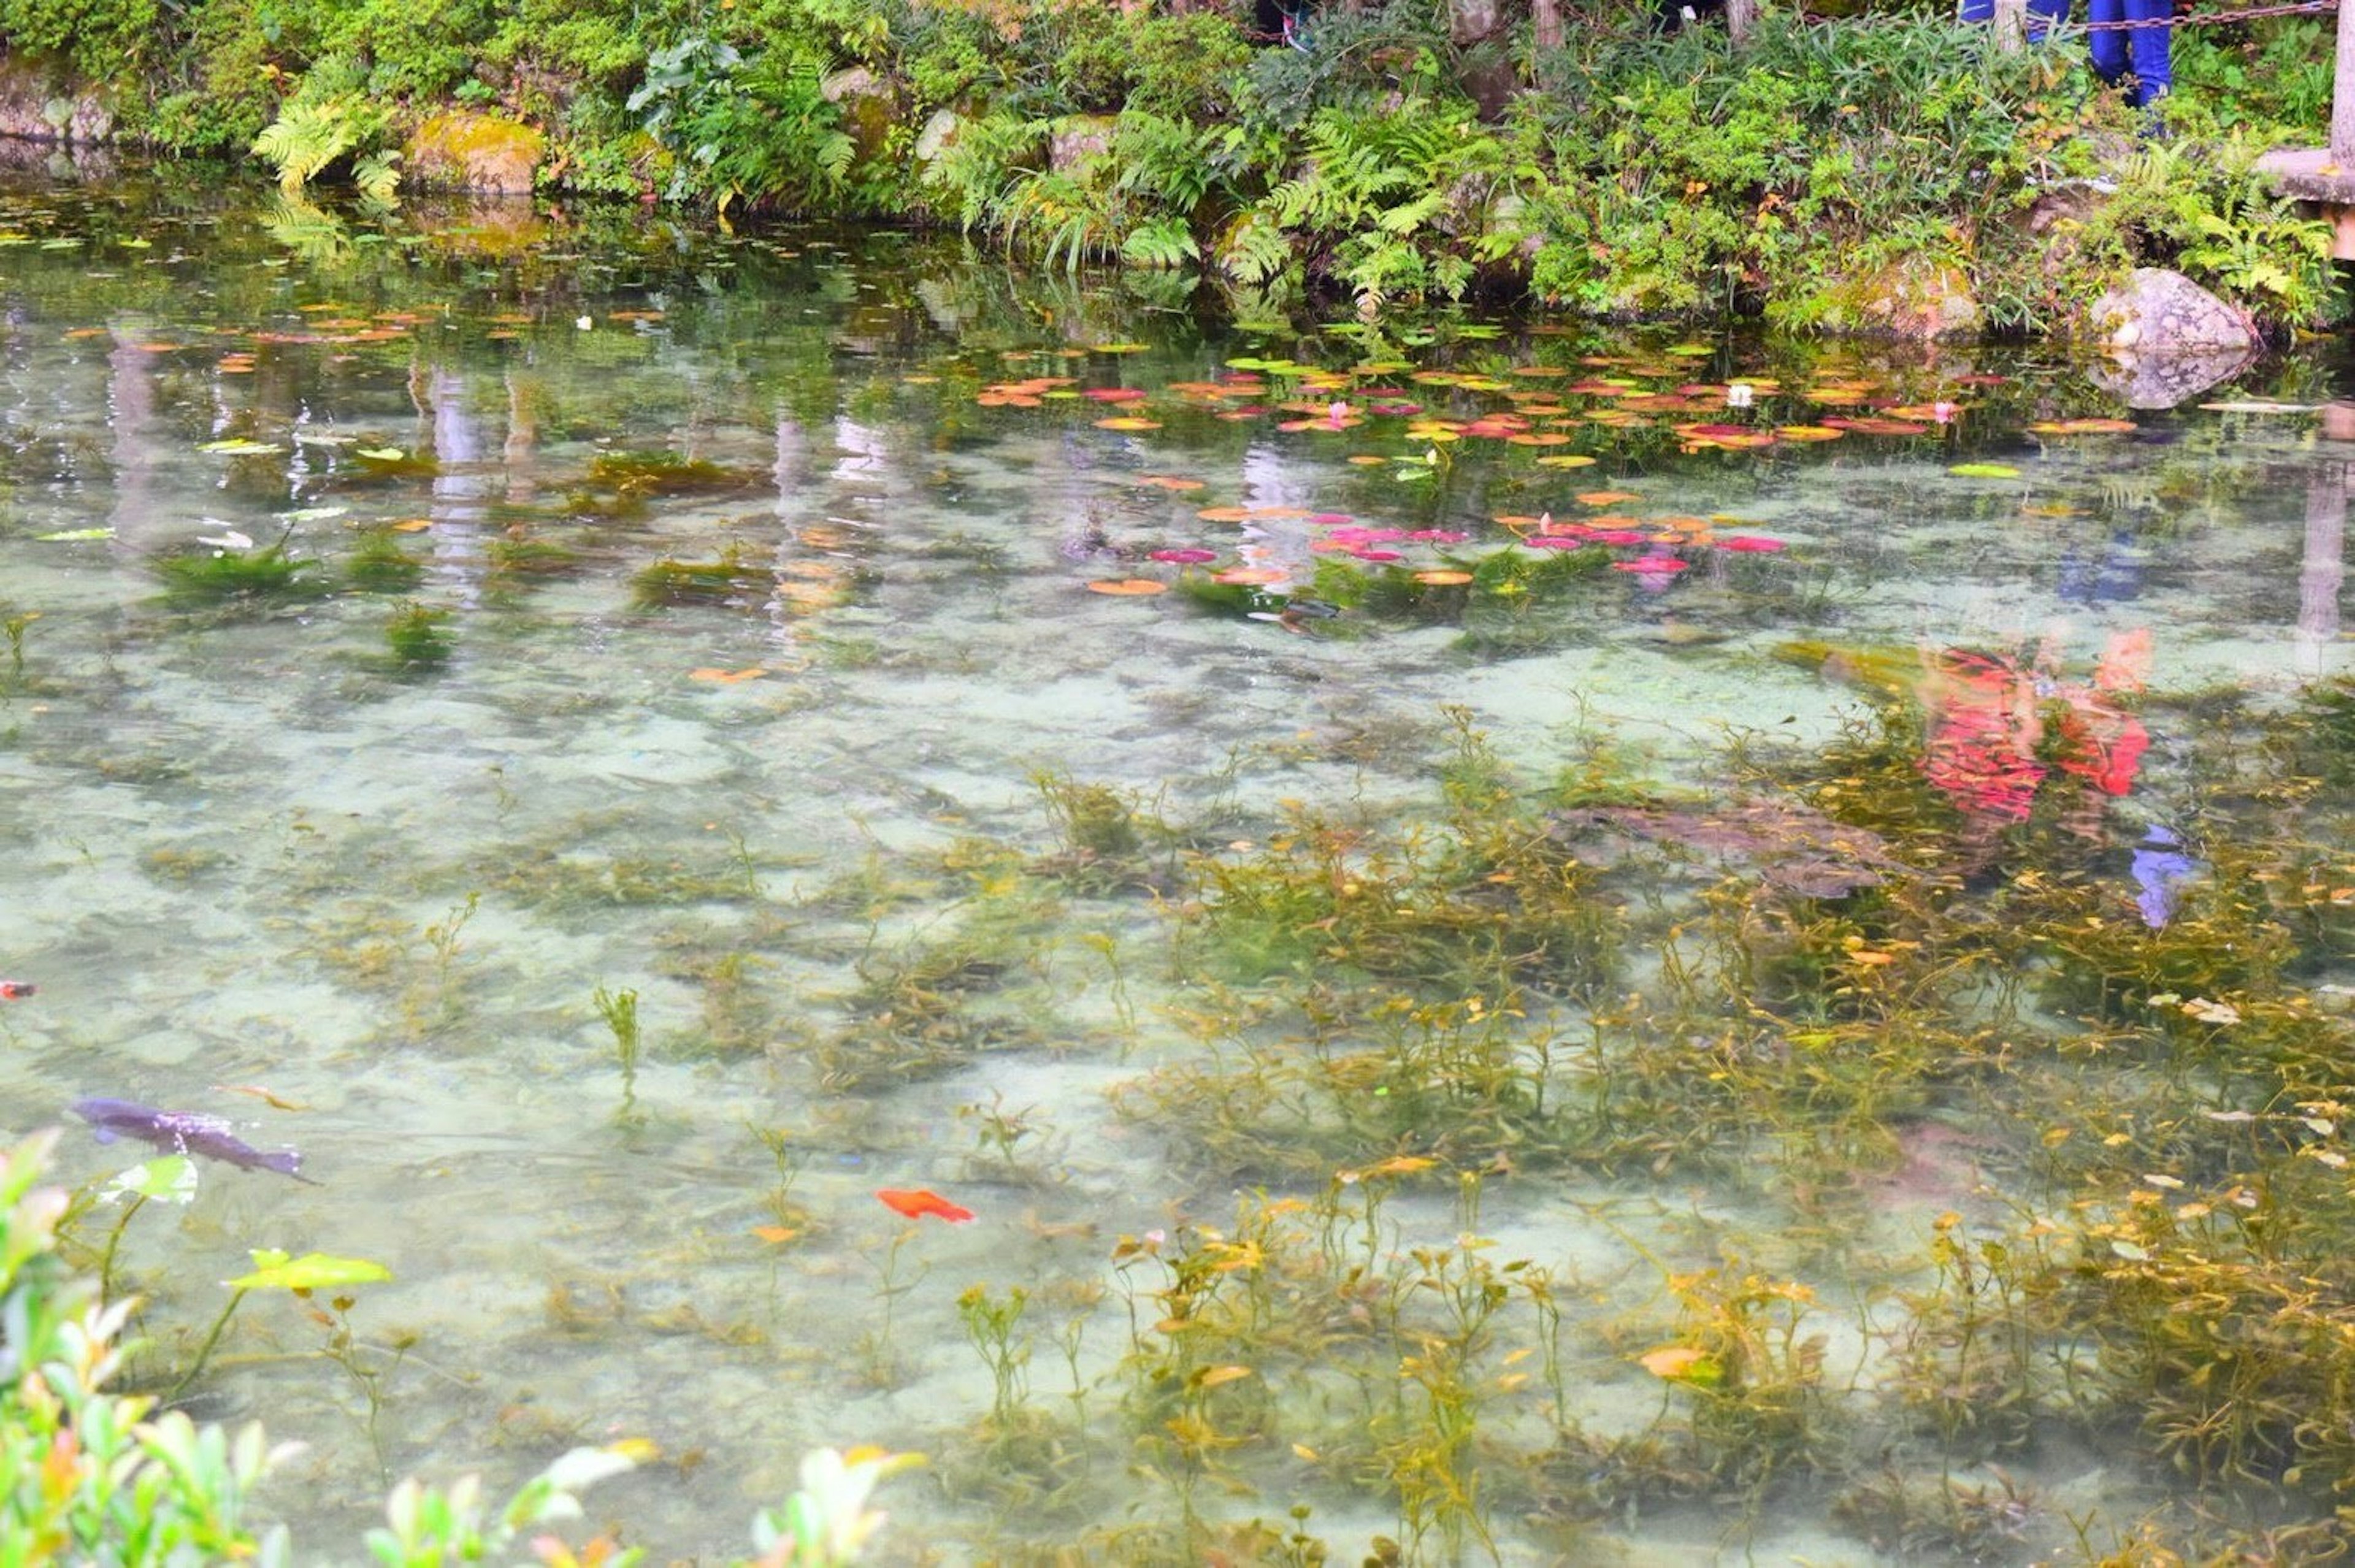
2217	18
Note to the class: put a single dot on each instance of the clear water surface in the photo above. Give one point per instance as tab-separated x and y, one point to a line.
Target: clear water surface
376	843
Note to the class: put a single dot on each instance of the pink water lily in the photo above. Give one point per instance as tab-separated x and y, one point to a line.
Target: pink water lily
1651	565
1185	557
1753	543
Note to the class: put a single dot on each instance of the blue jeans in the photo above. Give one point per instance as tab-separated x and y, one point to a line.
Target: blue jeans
2041	14
2144	49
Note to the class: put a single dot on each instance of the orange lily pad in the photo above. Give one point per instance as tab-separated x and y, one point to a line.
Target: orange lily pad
1606	498
727	676
1127	587
1443	579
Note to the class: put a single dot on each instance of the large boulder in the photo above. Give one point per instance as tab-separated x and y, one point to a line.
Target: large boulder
869	107
1913	297
2157	312
1077	138
488	155
40	107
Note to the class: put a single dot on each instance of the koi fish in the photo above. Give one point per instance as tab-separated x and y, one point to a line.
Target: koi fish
916	1204
15	991
183	1132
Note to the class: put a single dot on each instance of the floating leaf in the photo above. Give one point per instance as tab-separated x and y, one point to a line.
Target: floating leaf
239	447
1566	460
1683	1364
1443	579
1212	1377
312	1271
727	676
1984	471
169	1179
2084	427
1127	587
1606	498
1127	422
275	1102
379	453
66	536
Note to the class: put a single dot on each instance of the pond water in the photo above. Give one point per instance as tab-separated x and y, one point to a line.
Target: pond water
1472	906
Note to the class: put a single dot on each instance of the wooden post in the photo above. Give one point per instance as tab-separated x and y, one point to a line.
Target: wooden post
2342	93
2010	24
1545	23
1742	16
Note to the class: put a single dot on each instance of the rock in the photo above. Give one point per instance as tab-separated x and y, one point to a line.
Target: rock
869	107
2156	314
2162	380
1077	138
37	107
487	153
1912	298
938	133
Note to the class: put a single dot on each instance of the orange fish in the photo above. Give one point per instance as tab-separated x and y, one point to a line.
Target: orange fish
15	991
923	1200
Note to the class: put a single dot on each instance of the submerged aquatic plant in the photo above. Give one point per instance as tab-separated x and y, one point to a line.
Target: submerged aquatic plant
619	1011
225	574
416	639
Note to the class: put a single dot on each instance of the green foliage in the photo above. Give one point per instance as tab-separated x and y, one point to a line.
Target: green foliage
1410	200
1647	176
2211	216
755	129
308	137
103	40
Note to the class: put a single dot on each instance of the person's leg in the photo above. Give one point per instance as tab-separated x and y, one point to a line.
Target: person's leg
2043	16
2108	44
2147	49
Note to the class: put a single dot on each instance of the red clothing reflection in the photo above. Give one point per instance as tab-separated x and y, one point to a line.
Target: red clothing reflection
1998	728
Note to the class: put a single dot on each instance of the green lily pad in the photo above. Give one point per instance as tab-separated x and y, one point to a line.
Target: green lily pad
67	535
238	448
1984	471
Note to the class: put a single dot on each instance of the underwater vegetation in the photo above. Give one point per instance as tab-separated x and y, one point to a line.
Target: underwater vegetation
228	575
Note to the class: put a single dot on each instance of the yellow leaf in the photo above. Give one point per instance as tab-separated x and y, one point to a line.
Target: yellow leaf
1212	1377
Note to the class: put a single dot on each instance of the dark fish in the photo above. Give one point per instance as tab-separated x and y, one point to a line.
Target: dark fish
183	1132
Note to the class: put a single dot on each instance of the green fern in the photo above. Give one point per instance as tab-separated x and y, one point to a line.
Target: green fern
306	138
1255	250
378	174
1162	243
